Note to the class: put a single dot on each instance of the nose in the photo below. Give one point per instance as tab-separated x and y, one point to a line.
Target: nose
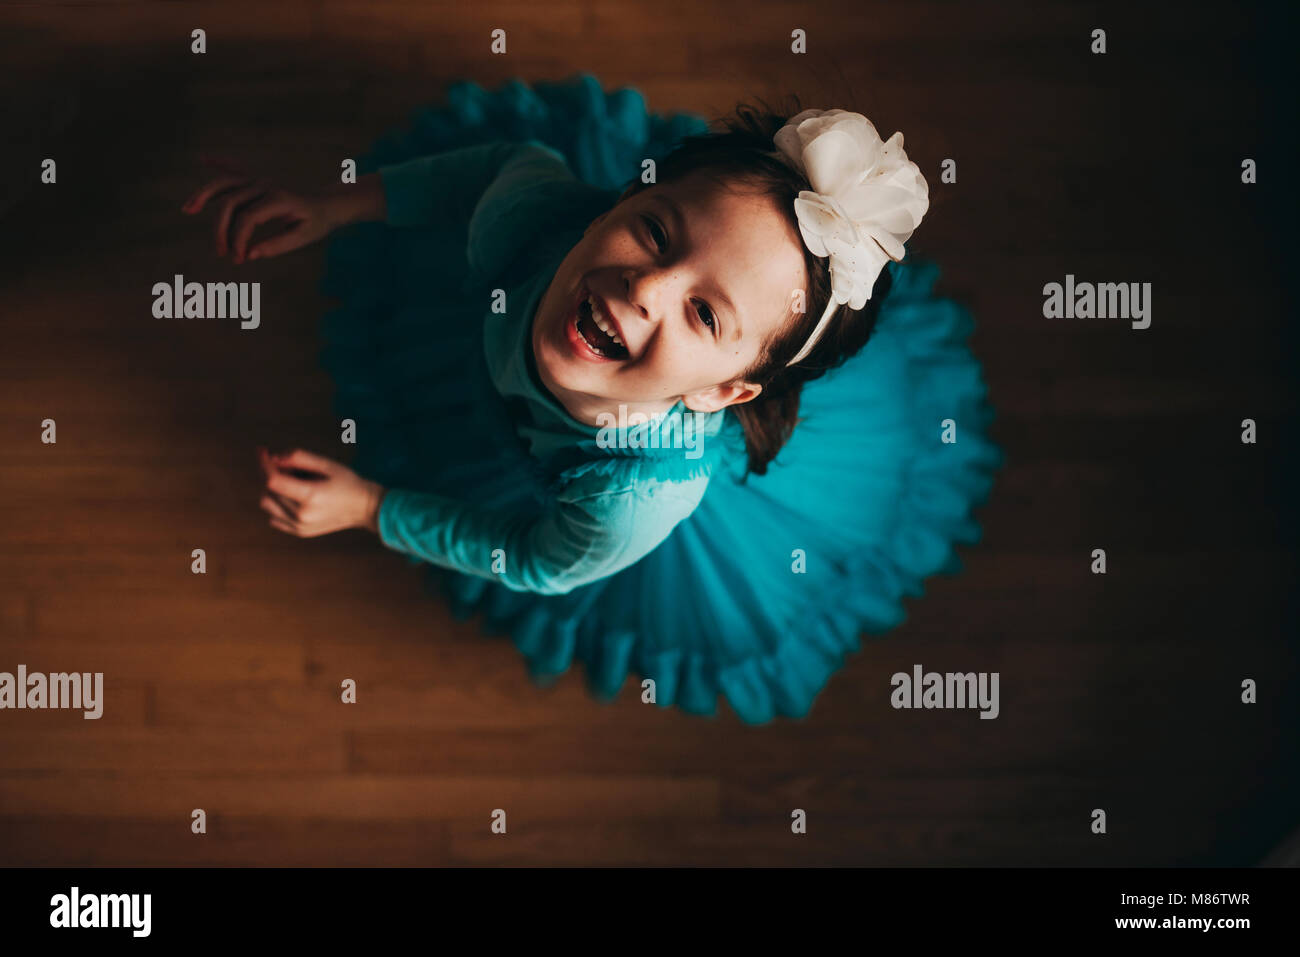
647	291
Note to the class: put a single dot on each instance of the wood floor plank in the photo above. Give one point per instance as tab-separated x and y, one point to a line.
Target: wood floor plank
230	841
28	747
386	797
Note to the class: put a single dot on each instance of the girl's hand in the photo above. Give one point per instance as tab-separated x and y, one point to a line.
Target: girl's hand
308	495
244	202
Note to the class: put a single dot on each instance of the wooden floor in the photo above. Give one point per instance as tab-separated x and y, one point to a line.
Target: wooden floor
1119	692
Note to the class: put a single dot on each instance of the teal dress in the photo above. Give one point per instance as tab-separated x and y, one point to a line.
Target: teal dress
620	548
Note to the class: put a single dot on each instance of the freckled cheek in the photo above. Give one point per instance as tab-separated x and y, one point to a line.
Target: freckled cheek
610	245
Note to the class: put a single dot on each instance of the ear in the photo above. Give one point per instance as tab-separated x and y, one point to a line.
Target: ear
721	396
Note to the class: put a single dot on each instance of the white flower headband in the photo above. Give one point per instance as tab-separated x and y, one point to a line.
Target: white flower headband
866	199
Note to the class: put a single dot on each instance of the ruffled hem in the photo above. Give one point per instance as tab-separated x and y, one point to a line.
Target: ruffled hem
604	136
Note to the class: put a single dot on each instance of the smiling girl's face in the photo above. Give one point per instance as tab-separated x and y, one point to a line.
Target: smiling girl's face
670	295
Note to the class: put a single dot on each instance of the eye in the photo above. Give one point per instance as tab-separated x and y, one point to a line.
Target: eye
656	231
705	313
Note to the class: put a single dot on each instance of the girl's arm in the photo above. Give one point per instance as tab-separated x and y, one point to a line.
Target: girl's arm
362	202
444	188
438	190
592	531
585	537
243	203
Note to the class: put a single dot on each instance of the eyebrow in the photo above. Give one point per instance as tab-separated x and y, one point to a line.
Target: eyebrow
719	294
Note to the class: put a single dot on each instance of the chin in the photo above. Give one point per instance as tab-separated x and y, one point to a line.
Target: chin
572	379
558	369
564	358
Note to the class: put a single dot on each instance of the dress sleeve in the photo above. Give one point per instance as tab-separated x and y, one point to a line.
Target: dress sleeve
444	188
587	535
505	198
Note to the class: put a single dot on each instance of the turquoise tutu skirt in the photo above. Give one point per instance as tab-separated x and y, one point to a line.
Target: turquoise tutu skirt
759	595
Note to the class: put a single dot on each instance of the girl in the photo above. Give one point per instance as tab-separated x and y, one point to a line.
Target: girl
640	428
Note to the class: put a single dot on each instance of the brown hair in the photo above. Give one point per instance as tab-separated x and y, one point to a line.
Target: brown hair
741	152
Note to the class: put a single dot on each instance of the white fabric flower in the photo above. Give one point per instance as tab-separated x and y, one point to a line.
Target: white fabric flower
866	199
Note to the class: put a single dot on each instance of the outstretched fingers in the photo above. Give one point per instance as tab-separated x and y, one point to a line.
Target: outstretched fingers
199	198
229	205
307	461
277	507
255	214
296	490
284	526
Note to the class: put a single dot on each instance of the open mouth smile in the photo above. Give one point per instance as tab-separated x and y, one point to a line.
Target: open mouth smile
593	328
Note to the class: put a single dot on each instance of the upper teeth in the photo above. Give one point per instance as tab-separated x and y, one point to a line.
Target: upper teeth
603	322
